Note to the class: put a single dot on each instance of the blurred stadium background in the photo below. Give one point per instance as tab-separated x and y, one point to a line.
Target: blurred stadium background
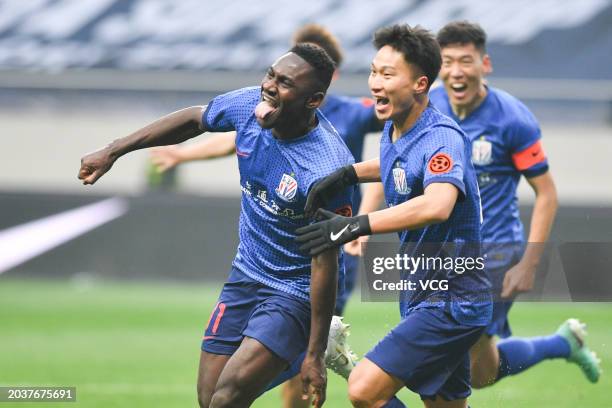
107	287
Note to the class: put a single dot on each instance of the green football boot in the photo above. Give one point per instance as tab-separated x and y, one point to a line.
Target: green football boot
574	332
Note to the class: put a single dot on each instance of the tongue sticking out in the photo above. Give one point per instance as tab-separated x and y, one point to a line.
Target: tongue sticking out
263	109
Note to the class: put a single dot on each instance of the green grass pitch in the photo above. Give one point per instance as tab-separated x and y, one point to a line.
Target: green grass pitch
134	344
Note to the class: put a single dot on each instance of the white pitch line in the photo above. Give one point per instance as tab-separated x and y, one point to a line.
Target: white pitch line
26	241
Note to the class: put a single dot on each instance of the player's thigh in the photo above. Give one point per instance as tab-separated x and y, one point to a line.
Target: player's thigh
209	370
281	322
425	351
249	371
368	383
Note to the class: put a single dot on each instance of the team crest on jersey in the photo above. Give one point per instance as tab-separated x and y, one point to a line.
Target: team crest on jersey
399	179
482	151
287	188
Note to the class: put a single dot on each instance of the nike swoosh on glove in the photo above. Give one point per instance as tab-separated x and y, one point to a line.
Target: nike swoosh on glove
332	231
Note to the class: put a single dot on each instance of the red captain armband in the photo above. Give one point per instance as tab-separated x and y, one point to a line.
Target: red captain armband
345	211
531	156
367	102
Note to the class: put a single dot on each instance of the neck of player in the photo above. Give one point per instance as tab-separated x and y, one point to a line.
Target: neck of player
295	127
407	121
462	111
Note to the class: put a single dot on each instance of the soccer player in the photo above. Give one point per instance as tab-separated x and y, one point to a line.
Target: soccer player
277	301
506	144
431	188
353	118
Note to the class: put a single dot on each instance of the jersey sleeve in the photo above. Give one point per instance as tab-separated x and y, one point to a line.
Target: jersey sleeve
444	156
526	147
229	111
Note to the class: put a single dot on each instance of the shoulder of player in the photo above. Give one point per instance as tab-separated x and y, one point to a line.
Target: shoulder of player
514	112
247	92
438	120
242	96
443	130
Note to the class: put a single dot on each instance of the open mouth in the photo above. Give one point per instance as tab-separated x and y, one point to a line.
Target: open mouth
381	102
458	87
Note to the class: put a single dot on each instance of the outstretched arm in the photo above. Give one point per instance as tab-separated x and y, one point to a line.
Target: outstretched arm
170	129
323	284
368	171
521	277
214	146
433	207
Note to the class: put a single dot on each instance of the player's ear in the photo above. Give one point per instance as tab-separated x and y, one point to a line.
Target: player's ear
421	84
487	66
315	100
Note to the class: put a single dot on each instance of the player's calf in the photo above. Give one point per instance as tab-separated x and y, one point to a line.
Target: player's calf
292	394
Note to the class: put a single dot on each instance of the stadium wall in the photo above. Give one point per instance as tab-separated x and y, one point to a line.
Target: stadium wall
175	236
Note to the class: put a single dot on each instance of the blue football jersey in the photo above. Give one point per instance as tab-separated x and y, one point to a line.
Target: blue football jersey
275	177
435	150
353	118
505	138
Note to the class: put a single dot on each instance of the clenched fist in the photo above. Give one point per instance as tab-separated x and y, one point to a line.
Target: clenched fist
94	165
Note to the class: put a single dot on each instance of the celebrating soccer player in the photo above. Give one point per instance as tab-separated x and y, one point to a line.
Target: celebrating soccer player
432	191
277	302
506	144
353	118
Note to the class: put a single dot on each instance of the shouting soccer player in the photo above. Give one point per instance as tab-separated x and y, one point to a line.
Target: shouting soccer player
506	144
277	302
431	188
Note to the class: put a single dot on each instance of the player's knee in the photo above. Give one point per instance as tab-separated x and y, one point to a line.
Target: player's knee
204	396
359	391
225	397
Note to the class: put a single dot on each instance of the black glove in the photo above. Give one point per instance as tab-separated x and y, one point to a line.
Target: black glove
334	230
324	190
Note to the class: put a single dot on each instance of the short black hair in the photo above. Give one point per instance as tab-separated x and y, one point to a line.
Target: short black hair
463	32
321	36
318	59
418	45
